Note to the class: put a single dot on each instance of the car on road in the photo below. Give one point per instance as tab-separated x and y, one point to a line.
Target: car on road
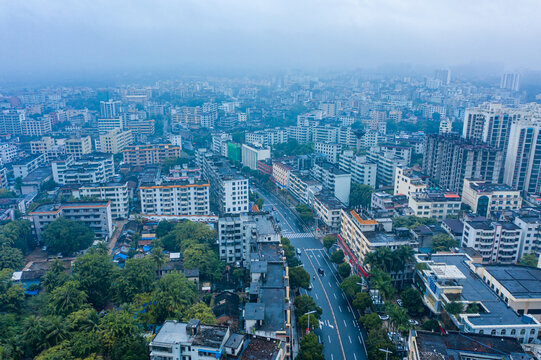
399	302
299	252
413	322
310	287
321	272
383	316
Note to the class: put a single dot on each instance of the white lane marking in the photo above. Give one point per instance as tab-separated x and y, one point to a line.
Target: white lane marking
358	337
329	283
355	356
351	342
339	307
344	296
335	296
354	323
332	357
349	309
317	298
346	325
319	339
329	336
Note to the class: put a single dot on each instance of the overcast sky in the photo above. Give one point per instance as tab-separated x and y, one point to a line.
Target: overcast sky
95	35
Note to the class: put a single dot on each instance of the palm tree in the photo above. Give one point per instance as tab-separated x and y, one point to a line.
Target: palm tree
158	257
56	331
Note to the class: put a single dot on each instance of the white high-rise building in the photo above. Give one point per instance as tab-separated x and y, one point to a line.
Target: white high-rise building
330	150
510	81
523	160
251	154
109	109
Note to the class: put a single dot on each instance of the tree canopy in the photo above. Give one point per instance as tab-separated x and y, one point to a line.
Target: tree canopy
442	242
298	277
360	195
66	236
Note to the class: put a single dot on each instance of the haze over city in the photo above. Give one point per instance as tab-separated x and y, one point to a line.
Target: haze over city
66	37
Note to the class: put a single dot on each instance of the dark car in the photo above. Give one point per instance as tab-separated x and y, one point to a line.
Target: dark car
321	272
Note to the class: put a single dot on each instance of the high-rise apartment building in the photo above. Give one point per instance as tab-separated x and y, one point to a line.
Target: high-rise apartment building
361	169
449	159
36	127
251	154
510	81
110	109
11	122
523	160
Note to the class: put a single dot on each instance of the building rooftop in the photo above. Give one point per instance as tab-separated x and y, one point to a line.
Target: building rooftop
521	281
173	332
456	226
38	175
481	223
435	196
254	311
56	207
453	345
475	289
481	186
260	349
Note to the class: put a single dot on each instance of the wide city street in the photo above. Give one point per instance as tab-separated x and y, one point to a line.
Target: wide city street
339	330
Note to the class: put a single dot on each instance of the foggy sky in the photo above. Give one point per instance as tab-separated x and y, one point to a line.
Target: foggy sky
92	35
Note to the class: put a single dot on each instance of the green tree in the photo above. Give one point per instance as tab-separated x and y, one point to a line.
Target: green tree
529	260
411	300
201	312
412	221
382	281
304	304
289	253
121	337
55	276
67	236
18	234
344	270
350	285
11	295
303	322
360	195
58	352
442	242
163	228
370	321
10	258
329	241
362	301
337	257
172	295
310	348
202	257
66	299
398	317
136	277
94	271
305	213
454	308
431	325
298	277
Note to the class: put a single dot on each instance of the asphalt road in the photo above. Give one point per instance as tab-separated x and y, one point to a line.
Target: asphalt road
339	330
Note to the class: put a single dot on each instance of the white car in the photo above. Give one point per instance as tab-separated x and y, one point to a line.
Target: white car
413	322
383	316
399	302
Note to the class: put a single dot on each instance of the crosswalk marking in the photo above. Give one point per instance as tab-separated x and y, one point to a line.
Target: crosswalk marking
290	235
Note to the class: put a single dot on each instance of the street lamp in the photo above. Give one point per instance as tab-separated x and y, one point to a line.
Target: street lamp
308	313
387	352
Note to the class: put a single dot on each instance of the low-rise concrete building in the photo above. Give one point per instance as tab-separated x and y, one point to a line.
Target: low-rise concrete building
94	214
434	205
